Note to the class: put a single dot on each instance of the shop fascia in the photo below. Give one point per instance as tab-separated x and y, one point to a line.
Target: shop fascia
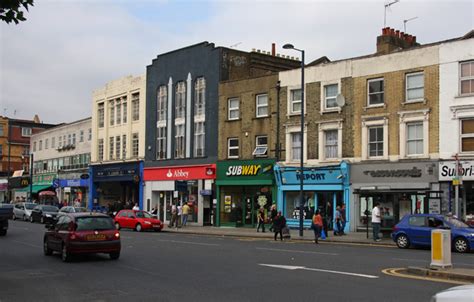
180	173
447	170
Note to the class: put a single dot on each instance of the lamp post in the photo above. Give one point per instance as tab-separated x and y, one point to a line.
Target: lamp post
290	46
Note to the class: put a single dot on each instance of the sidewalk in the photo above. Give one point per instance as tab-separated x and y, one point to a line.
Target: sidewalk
308	235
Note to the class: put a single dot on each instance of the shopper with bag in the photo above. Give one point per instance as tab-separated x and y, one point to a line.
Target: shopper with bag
317	225
278	224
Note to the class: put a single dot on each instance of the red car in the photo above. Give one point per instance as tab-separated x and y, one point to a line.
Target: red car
82	233
137	220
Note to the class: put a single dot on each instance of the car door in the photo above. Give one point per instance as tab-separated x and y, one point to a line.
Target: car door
54	237
131	220
17	211
35	213
417	229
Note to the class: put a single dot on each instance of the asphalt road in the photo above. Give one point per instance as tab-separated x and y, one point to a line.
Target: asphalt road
179	267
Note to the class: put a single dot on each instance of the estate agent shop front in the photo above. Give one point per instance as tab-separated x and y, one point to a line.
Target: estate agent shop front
324	188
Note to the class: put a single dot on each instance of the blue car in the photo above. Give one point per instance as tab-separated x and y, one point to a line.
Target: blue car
415	230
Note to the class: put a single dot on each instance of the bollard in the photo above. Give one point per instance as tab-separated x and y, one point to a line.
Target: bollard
441	249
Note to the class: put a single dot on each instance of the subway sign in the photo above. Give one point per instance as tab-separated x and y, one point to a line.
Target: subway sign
244	170
250	169
447	170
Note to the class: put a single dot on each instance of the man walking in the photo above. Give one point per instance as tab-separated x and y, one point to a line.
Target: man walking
186	209
376	220
343	218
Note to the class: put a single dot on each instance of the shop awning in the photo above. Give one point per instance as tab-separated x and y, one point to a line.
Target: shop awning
36	188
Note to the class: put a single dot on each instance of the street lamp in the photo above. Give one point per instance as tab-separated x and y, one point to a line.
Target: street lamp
290	46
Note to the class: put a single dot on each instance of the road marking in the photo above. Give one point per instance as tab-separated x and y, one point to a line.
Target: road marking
395	273
427	262
14	227
290	267
188	242
141	270
27	244
296	251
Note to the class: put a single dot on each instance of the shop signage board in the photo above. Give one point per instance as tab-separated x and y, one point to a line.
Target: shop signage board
434	206
245	169
447	170
44	179
180	173
394	173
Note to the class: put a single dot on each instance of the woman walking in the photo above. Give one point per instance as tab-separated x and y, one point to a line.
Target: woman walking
278	224
261	220
317	225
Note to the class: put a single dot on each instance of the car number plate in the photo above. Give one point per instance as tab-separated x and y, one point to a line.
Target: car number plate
95	237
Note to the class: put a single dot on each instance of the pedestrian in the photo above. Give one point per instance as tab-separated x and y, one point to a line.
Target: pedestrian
278	224
273	214
261	219
376	220
338	222
174	214
317	225
343	218
185	210
180	214
136	207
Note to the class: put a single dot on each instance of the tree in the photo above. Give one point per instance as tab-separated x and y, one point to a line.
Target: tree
10	10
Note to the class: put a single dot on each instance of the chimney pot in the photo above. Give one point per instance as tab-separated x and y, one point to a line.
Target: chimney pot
414	40
392	32
273	49
397	33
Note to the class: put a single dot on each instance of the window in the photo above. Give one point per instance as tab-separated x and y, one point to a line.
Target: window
100	150
112	112
261	146
179	141
262	105
34	146
90	134
81	136
111	148
74	139
330	94
60	141
233	109
1	131
124	146
375	92
162	102
200	97
118	110
69	139
26	132
1	150
53	142
295	146
375	141
199	135
467	135
233	148
26	151
124	110
135	145
46	143
100	115
330	143
135	106
161	143
415	85
467	77
295	101
417	221
180	109
117	147
415	138
40	145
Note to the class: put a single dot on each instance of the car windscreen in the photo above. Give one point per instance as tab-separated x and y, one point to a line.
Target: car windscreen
30	206
143	215
94	223
50	209
456	222
80	210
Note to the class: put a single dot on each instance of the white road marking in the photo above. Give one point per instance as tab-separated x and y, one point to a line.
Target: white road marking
296	251
27	244
290	267
427	262
14	227
188	242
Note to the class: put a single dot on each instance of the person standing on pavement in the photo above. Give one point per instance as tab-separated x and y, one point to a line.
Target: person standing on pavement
278	224
186	209
174	214
261	220
337	222
273	214
180	214
317	225
343	218
376	220
136	207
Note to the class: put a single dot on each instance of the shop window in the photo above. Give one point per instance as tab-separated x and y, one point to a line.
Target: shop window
467	78
375	92
467	135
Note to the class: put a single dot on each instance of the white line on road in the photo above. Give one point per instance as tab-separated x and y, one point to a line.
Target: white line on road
427	262
290	267
188	242
296	251
27	244
14	227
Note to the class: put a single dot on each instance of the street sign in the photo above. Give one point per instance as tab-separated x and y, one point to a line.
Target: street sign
84	176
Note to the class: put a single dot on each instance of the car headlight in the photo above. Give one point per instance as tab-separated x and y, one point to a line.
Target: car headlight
48	215
147	222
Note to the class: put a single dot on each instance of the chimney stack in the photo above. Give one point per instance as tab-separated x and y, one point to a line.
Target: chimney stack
273	49
392	40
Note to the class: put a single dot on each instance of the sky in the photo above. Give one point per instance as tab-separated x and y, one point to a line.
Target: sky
51	63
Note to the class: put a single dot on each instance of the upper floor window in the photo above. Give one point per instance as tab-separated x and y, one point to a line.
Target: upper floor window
26	132
90	134
330	94
262	105
53	142
179	141
124	146
375	144
162	103
26	151
467	77
161	143
100	115
295	152
118	109
1	131
180	108
135	106
199	139
34	146
375	92
100	149
112	112
415	87
81	136
415	138
124	110
467	135
295	101
118	151
200	97
46	143
331	143
111	148
261	146
233	109
40	145
135	144
74	139
69	139
233	148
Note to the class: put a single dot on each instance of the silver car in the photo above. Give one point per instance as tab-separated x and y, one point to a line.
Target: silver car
22	210
68	209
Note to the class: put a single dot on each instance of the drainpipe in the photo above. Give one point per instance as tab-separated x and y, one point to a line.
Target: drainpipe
9	164
277	148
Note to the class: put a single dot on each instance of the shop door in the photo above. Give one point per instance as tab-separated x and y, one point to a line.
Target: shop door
248	211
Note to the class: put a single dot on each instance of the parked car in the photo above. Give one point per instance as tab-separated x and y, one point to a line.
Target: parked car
6	212
463	293
137	220
416	230
82	233
23	210
70	209
44	213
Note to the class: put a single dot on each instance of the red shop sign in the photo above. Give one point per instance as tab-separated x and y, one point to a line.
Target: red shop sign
180	173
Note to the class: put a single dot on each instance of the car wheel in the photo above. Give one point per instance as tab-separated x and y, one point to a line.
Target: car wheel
47	251
24	218
461	245
114	256
42	219
31	219
65	255
402	241
138	227
117	226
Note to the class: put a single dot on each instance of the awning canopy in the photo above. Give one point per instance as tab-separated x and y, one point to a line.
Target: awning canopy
36	188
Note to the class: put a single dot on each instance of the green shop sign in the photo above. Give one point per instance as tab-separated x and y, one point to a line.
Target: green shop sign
44	179
245	169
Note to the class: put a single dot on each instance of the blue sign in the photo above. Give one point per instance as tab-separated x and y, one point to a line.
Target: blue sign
55	183
206	192
73	183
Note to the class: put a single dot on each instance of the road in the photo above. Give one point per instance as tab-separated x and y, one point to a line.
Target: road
179	267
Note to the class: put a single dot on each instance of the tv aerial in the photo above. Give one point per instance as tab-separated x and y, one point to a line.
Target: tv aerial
405	23
387	6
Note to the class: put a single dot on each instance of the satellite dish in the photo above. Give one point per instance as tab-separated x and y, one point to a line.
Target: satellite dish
340	100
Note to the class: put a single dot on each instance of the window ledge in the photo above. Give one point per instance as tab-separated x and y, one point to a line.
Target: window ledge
233	120
414	102
232	157
462	96
336	110
261	117
375	106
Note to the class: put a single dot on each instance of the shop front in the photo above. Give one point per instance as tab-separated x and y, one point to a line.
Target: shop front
117	185
74	190
324	188
179	185
399	188
243	187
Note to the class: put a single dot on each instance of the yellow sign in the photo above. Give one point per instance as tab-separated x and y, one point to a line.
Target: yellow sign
243	170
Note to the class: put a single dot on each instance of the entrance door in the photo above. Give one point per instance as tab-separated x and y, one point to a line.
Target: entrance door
248	211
